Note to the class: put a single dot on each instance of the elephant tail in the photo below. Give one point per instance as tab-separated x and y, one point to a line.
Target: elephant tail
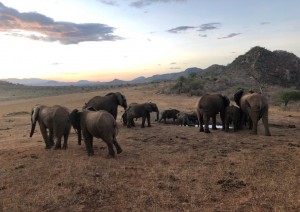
116	129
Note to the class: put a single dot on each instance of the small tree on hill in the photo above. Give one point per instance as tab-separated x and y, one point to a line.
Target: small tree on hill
288	96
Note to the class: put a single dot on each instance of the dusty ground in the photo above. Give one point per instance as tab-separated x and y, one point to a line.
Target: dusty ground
162	168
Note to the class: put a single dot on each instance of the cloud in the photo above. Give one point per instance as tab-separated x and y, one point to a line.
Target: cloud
230	35
36	26
201	28
264	23
203	35
144	3
180	28
209	26
109	2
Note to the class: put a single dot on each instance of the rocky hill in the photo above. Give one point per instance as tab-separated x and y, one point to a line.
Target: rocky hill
275	68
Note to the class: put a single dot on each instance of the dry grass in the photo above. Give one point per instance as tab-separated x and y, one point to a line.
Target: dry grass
162	168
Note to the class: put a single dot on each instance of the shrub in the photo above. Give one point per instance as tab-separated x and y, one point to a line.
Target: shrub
287	96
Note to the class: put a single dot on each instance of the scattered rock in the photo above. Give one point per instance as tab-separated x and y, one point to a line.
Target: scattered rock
20	167
34	156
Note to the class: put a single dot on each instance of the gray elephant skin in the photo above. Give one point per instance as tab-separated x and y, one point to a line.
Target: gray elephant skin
233	115
124	116
109	102
169	114
254	107
208	106
141	110
54	119
98	124
187	118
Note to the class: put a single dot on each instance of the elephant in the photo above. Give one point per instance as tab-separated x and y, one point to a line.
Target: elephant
187	118
124	116
99	124
233	114
141	110
254	107
53	119
109	102
208	106
169	114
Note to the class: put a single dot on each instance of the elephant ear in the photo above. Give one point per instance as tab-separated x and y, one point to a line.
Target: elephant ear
237	96
148	107
121	100
75	119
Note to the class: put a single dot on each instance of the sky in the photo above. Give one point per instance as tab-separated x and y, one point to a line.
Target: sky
102	40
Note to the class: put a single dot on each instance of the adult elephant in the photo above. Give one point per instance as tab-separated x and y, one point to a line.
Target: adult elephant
99	124
255	107
109	102
141	110
169	114
208	106
54	119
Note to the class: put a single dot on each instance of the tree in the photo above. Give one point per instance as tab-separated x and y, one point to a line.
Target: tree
287	96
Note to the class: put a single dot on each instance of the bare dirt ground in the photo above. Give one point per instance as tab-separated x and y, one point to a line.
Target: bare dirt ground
162	168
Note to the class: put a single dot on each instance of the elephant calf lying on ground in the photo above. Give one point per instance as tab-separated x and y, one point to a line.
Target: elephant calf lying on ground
187	118
233	115
56	120
169	114
99	124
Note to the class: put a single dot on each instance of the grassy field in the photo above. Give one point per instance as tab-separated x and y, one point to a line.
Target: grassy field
162	168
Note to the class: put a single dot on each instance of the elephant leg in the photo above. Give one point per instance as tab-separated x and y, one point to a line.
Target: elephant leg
201	124
51	137
58	143
88	140
65	145
214	122
226	125
118	147
45	136
254	122
111	152
143	122
266	124
130	122
206	120
148	119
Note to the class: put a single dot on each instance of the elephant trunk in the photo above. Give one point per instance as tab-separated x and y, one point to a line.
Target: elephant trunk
32	128
157	115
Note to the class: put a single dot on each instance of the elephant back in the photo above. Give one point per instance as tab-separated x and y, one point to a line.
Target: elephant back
99	123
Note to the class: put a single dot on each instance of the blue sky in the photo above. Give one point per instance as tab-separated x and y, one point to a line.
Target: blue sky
100	40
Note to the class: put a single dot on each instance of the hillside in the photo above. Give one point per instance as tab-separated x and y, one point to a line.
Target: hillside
274	68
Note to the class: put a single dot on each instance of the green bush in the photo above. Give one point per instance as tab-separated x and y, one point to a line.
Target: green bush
287	96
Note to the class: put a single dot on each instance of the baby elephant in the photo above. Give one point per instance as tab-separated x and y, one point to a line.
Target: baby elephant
233	114
99	124
169	114
54	119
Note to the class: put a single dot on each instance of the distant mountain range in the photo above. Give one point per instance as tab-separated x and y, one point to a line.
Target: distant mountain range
139	80
270	67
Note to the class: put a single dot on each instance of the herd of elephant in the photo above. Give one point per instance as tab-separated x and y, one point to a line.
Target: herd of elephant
98	117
